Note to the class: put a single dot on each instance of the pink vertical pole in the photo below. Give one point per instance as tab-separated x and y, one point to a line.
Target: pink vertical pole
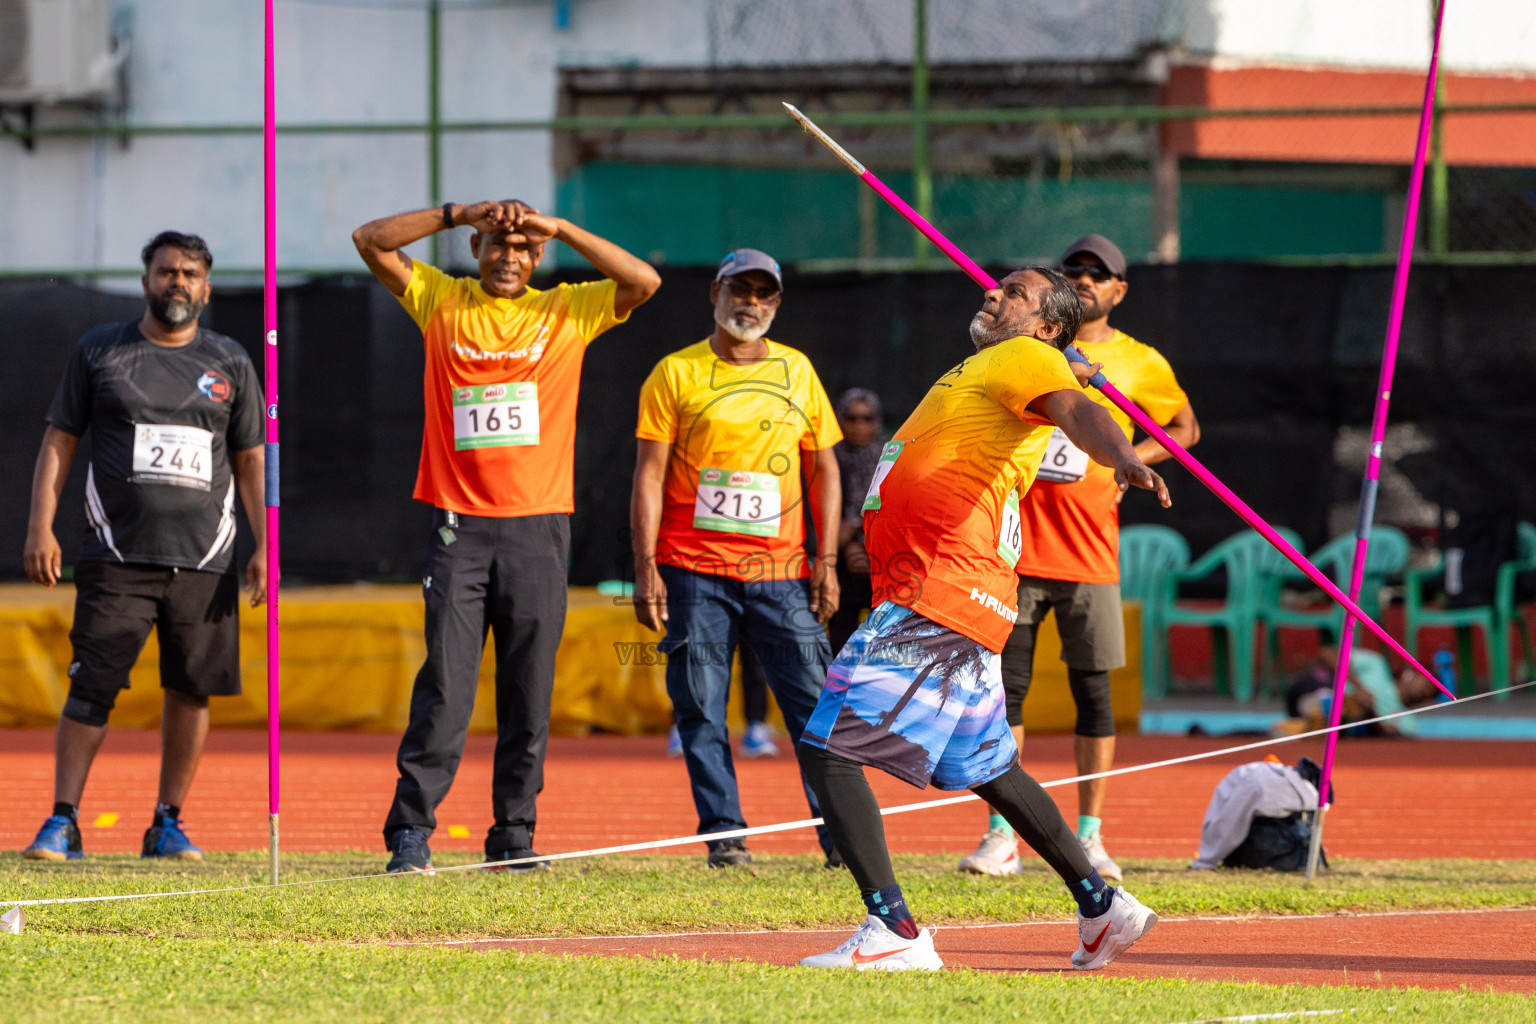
1378	433
269	331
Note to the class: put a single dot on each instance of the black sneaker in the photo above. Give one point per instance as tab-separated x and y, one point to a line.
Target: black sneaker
729	853
410	850
834	860
522	855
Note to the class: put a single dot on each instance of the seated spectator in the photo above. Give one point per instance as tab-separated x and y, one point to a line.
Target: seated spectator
1371	692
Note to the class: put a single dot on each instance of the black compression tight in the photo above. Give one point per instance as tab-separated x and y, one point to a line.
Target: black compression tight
852	815
1038	821
858	832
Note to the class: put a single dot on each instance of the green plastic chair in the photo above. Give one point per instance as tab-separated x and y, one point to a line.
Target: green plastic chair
1147	554
1384	559
1494	621
1250	561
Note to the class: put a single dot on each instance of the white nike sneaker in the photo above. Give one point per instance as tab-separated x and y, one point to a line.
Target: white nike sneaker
874	947
998	854
1094	848
1101	939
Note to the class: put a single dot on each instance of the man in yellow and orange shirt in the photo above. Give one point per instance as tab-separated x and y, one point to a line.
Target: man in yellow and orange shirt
916	691
502	375
1069	561
735	440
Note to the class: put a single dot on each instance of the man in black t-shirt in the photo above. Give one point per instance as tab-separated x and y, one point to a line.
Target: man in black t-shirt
175	417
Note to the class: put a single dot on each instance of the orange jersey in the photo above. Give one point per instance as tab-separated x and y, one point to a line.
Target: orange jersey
732	501
500	389
1071	521
941	519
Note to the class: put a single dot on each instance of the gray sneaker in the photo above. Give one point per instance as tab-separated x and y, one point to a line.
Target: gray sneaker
1108	870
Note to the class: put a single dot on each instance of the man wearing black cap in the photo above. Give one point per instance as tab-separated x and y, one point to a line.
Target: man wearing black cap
1071	547
728	427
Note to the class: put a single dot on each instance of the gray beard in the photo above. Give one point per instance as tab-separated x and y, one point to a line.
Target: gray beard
175	312
982	336
741	330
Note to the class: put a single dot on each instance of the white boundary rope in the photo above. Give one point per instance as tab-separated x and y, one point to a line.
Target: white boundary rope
741	833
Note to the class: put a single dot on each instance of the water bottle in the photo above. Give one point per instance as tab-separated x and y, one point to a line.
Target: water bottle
1445	668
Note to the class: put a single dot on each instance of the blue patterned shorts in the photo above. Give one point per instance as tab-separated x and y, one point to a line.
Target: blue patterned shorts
917	700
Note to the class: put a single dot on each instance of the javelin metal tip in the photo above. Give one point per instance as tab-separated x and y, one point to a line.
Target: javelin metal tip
825	139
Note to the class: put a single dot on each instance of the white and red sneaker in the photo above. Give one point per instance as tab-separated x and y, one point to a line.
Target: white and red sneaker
998	854
874	947
1101	939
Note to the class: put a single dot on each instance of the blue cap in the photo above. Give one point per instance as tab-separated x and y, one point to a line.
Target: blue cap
739	261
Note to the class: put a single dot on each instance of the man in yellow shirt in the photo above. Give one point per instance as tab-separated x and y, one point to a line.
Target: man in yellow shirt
728	428
1070	559
498	446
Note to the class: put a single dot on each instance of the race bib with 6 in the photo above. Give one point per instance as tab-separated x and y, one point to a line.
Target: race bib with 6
495	415
737	502
1064	462
1010	538
167	453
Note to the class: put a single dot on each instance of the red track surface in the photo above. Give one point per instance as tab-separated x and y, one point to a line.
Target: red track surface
1397	798
1438	951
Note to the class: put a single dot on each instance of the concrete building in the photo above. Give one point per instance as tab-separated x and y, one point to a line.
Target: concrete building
186	76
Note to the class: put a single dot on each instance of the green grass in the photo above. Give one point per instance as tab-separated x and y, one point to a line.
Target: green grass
617	895
318	953
97	978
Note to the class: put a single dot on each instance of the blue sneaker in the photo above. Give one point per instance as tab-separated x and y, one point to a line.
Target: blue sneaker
410	850
674	743
58	839
758	742
166	839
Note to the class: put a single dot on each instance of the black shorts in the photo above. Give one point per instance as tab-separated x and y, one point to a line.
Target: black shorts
1092	642
195	615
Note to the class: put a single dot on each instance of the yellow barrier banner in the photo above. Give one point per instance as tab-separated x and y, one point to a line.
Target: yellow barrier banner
351	653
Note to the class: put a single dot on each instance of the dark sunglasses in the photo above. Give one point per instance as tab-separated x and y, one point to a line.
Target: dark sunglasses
742	289
1095	271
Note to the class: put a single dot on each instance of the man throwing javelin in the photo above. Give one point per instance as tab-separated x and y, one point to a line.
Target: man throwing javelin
1070	558
503	369
175	418
916	692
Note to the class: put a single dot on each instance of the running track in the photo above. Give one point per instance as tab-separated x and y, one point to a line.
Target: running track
1396	798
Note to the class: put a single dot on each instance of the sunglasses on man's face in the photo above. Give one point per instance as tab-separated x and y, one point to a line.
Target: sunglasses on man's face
746	289
1092	270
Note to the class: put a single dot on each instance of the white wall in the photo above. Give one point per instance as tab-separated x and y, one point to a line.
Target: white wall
76	203
1480	35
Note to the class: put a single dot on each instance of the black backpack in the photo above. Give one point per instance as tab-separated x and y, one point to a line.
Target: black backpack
1281	843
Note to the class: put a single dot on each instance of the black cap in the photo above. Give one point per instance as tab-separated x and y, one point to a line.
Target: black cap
1108	253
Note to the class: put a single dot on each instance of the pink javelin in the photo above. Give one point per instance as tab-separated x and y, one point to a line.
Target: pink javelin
1125	405
269	335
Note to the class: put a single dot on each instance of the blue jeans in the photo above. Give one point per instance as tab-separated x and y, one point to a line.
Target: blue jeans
706	617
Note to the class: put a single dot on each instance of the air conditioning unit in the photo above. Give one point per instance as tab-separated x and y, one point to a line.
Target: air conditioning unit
55	51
